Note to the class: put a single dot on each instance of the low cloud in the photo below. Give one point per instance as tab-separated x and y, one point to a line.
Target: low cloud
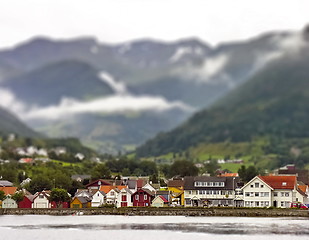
113	104
9	101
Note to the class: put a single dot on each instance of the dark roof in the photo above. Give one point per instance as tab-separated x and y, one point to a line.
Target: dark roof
175	183
83	199
132	184
96	183
229	182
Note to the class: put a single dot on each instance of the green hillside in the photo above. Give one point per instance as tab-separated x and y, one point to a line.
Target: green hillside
272	105
11	124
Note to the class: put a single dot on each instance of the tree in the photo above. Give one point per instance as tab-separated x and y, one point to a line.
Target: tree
183	168
39	183
246	174
2	195
59	196
18	197
101	171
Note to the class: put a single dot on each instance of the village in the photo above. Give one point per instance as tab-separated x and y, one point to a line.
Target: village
285	188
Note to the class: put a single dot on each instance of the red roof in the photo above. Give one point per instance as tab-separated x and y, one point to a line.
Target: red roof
163	198
280	182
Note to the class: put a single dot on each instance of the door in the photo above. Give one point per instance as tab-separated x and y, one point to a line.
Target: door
124	204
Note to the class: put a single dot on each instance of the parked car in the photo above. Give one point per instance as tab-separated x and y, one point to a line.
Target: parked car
298	205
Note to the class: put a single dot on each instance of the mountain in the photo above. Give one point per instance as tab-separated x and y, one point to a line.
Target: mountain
63	85
48	84
9	123
272	104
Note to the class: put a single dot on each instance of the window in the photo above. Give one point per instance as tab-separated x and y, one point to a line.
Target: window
202	192
257	204
216	184
287	194
221	184
262	186
247	194
275	194
282	194
136	197
247	203
190	192
283	183
145	197
208	192
256	185
282	204
112	193
256	194
251	185
41	196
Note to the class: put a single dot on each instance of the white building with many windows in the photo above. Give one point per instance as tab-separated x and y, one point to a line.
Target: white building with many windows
276	191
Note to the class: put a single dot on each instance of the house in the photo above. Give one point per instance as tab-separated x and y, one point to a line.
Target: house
80	202
98	198
305	192
277	191
124	198
26	202
80	178
290	169
132	185
159	201
142	198
150	187
98	183
166	194
8	202
112	193
209	191
175	187
5	183
41	200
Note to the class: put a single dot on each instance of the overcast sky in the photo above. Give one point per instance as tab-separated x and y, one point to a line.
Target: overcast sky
116	21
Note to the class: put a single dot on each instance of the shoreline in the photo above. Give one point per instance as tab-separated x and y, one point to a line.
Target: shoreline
133	211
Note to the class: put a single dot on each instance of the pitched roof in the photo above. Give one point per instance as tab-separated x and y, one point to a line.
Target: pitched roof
5	183
107	189
83	199
280	182
303	188
163	198
175	183
229	182
8	190
132	184
99	182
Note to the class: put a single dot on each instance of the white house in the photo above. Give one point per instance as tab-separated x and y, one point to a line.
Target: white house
41	200
266	191
8	202
112	196
124	198
98	199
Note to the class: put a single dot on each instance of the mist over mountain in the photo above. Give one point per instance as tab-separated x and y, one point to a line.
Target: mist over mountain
117	96
272	104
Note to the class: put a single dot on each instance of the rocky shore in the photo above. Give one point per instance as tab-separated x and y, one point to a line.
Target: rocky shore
132	211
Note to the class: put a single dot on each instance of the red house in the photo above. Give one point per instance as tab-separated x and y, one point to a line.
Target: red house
142	198
26	202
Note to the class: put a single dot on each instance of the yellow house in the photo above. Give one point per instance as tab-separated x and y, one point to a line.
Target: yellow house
176	189
80	202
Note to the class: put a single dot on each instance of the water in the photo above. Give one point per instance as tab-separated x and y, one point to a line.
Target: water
32	227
